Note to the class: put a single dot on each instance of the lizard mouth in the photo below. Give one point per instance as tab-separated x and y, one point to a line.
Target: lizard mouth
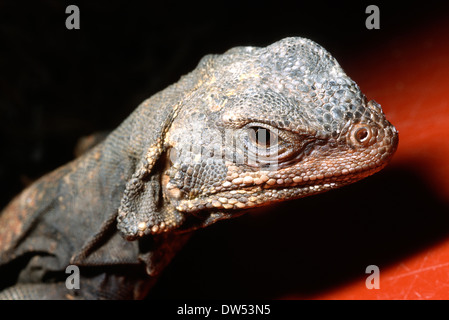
261	195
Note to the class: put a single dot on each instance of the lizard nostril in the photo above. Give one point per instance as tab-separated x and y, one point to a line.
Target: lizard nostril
362	135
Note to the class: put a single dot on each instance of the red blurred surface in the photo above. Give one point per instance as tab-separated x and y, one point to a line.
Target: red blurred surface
409	77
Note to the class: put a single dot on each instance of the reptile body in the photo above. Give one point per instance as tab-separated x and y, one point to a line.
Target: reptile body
247	128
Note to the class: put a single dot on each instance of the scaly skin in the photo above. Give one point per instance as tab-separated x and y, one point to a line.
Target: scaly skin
244	129
325	135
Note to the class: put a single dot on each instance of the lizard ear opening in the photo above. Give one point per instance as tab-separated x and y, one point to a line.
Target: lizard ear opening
141	211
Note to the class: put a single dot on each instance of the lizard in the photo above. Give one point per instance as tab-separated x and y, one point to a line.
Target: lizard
246	128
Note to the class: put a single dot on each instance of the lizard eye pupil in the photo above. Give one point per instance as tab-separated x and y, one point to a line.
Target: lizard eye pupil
261	137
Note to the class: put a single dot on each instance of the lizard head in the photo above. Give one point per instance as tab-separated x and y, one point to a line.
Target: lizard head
271	124
267	125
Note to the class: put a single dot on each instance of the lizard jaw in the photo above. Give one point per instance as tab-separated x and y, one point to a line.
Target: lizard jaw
255	196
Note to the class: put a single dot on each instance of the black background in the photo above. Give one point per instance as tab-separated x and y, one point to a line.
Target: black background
57	85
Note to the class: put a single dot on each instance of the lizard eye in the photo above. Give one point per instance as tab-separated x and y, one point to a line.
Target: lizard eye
262	137
266	145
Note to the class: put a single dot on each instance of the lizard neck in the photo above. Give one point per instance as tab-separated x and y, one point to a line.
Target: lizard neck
116	164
